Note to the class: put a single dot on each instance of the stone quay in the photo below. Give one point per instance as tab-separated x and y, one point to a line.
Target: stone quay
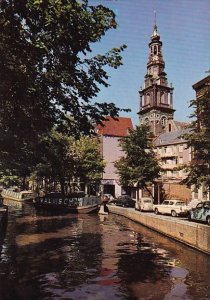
195	235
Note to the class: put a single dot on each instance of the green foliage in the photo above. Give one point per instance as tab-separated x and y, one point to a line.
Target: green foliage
55	162
47	75
90	164
199	141
65	160
138	166
9	180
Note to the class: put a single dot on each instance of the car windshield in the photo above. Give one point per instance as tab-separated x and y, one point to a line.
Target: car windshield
147	201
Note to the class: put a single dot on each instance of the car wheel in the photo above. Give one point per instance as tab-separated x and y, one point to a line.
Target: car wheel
156	211
208	220
189	217
173	213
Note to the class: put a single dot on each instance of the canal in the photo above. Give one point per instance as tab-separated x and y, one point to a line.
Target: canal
96	258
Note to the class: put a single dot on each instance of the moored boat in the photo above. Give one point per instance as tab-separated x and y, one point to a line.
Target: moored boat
71	203
22	196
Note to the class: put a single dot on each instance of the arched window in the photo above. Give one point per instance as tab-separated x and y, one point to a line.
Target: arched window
155	50
146	121
163	121
148	98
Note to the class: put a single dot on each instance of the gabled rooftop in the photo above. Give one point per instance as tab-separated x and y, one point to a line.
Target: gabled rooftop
170	138
118	126
181	125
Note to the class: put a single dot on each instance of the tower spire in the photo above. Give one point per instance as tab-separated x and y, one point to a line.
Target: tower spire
155	31
155	21
156	97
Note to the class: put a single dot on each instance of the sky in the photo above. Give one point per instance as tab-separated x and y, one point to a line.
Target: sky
184	28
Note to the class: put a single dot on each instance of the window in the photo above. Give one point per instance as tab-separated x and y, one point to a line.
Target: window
171	202
146	121
206	205
155	50
163	121
147	98
169	127
165	202
180	203
180	148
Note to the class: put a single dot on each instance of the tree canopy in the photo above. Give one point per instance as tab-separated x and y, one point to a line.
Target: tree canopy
69	162
47	75
139	166
199	142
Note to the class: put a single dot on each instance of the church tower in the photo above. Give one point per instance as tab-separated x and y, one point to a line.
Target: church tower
156	97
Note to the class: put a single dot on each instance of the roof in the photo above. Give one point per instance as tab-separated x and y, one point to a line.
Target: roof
202	82
169	138
181	125
118	126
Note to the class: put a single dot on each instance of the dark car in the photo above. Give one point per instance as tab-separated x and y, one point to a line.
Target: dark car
201	212
124	201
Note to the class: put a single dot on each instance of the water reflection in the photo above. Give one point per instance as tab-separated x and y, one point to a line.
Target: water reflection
92	257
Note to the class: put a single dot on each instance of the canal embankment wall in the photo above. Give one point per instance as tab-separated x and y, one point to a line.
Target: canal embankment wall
195	235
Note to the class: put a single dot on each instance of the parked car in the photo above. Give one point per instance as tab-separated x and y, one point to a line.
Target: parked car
173	207
201	212
144	204
124	201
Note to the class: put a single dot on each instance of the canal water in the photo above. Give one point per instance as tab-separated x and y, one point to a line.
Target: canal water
87	257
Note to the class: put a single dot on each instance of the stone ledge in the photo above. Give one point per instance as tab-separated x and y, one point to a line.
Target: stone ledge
193	234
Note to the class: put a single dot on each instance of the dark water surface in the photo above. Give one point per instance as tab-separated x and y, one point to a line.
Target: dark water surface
96	258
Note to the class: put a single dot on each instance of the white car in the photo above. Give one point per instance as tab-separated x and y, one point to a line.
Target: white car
172	207
144	204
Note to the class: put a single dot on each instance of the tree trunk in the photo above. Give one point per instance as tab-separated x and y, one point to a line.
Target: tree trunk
62	183
137	192
86	189
23	184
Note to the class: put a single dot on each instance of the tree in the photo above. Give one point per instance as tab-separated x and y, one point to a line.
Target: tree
47	74
56	165
68	162
199	141
90	164
138	167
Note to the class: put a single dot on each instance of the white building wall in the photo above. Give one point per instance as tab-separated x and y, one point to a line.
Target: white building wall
111	152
